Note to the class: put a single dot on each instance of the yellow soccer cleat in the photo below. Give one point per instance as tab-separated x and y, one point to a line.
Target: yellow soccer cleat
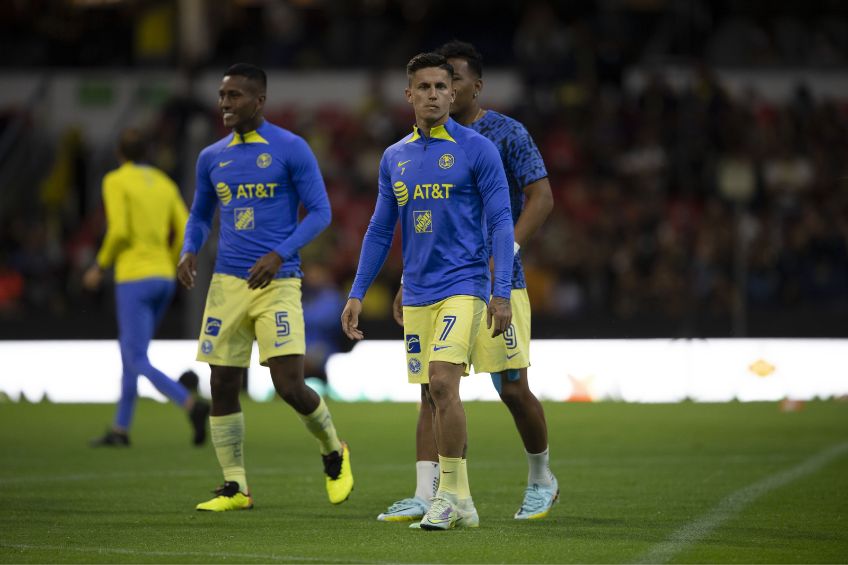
339	478
229	497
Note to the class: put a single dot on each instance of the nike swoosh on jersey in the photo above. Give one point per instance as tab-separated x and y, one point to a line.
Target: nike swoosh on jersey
511	356
281	343
225	163
440	347
402	163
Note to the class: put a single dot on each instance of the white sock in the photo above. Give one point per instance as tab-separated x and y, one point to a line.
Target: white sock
540	471
427	479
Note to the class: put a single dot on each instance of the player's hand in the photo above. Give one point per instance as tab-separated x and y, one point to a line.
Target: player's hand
499	315
187	270
92	277
397	307
350	319
264	270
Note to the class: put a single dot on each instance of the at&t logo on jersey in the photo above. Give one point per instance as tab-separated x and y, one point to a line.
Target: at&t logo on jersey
414	366
413	343
423	220
246	190
401	193
212	327
224	193
432	190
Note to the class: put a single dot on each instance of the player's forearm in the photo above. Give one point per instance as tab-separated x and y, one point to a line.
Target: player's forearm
502	251
178	227
196	231
199	222
375	249
537	206
312	225
499	220
113	242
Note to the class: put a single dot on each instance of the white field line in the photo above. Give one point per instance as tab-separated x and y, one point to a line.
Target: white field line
695	531
211	555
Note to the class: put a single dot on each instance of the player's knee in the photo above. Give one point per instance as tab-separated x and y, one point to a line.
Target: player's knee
136	364
510	395
442	391
513	391
224	384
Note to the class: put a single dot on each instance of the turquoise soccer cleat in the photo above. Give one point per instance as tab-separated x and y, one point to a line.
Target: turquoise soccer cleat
405	510
538	500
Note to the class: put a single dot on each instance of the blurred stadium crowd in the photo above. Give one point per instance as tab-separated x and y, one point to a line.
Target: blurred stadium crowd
681	209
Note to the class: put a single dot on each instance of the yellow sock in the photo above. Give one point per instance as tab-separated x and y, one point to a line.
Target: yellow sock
228	438
449	476
463	490
320	425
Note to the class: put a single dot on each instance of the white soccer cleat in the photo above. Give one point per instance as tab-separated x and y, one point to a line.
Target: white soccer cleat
441	516
465	517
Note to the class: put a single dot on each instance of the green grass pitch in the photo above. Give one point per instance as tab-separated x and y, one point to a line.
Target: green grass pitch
683	483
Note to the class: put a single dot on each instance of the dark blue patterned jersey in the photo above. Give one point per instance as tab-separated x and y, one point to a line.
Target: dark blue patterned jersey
522	162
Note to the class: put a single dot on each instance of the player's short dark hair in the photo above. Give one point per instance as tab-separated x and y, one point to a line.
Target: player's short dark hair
456	49
132	145
250	72
426	61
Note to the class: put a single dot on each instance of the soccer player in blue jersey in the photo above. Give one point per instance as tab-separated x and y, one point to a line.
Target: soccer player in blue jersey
445	183
505	357
144	212
257	176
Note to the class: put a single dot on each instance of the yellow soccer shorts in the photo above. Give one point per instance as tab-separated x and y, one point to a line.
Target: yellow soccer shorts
443	331
236	315
511	349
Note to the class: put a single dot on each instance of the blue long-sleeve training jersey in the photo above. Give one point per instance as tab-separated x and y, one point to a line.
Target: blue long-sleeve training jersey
522	163
258	179
445	188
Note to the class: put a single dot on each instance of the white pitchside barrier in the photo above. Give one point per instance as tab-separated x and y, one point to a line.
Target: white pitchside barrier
655	370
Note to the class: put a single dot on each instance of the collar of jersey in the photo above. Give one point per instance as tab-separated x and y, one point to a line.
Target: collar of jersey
438	132
249	137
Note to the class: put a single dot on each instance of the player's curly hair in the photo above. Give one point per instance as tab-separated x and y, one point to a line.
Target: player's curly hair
426	61
456	49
